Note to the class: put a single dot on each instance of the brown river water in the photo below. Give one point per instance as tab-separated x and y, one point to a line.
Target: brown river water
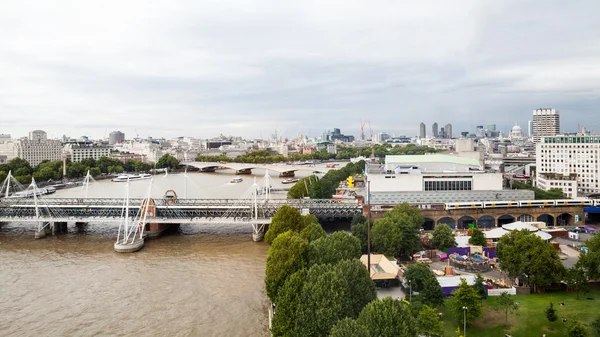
200	281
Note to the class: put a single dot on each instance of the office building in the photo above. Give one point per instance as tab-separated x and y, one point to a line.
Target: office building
422	133
429	179
382	137
116	137
546	123
78	152
569	163
448	130
434	130
34	149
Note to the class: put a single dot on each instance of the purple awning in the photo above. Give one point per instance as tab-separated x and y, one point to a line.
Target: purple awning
590	229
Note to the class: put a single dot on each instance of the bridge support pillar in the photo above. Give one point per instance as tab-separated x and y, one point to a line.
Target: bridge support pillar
288	174
129	247
244	171
59	227
258	232
40	234
154	230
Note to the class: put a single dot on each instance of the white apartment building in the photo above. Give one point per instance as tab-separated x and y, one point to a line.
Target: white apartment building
573	156
152	151
546	123
79	152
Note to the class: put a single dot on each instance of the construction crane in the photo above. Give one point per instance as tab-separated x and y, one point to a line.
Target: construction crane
362	129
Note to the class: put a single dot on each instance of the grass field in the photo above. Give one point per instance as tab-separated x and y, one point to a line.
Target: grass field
530	320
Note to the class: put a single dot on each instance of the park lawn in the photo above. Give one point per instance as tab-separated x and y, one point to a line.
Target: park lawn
530	319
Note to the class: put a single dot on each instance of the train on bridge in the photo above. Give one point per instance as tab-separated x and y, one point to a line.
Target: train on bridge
521	203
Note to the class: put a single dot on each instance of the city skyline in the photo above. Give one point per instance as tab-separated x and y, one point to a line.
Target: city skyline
202	69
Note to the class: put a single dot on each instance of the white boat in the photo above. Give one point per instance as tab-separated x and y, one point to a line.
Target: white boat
236	180
290	181
132	177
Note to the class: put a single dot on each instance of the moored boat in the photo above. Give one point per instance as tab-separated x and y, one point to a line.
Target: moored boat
236	180
290	181
132	177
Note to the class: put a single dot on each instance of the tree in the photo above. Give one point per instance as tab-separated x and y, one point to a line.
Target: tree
360	288
167	161
428	322
348	327
525	255
360	231
94	172
313	232
285	219
301	188
19	167
287	254
590	261
478	238
480	287
388	318
417	274
443	237
322	303
595	326
432	293
397	233
284	319
114	169
576	279
551	313
333	248
576	329
465	296
507	304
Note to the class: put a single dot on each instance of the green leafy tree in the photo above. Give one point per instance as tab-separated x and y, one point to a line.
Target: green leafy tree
359	231
432	293
167	161
348	327
287	254
322	303
506	303
397	233
478	238
388	318
334	248
78	170
360	287
551	313
3	176
576	329
285	219
523	254
114	169
417	274
595	326
19	166
301	188
576	279
443	237
590	262
94	172
429	323
480	287
465	296
313	232
284	319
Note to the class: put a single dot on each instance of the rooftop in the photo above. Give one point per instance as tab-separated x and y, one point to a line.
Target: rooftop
432	158
381	267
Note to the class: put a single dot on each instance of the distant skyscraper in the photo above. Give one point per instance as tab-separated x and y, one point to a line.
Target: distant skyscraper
434	130
448	130
546	123
116	137
422	133
530	129
491	127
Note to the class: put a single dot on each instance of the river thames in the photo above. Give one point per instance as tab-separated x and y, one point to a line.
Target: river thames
200	281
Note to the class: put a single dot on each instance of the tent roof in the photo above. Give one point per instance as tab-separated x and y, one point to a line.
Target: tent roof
381	267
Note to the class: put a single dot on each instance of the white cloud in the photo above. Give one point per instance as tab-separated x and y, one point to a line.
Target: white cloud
202	68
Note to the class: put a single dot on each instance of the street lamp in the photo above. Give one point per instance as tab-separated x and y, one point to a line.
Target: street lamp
410	291
465	321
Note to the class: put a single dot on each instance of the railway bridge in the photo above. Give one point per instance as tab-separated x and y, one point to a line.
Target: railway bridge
496	217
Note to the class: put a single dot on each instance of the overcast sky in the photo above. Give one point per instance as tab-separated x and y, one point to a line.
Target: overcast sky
200	68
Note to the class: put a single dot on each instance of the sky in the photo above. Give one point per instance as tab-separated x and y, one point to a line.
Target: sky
168	68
